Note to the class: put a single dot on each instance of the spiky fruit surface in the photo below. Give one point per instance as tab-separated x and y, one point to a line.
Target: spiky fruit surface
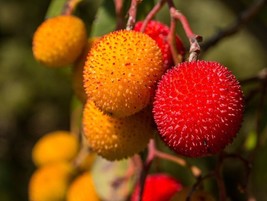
198	108
198	195
58	41
159	32
121	72
82	189
116	138
50	182
77	71
158	187
55	146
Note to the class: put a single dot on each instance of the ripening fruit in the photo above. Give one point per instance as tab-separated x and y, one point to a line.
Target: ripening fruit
55	146
77	71
116	138
159	32
198	195
58	41
82	189
121	72
198	108
50	182
158	187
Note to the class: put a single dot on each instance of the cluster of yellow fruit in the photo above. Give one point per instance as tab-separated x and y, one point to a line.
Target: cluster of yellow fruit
56	177
115	77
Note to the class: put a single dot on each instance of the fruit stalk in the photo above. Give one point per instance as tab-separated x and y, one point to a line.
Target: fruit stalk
152	13
70	5
192	37
132	14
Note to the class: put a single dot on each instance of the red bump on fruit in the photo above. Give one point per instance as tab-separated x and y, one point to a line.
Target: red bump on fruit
198	108
158	187
159	32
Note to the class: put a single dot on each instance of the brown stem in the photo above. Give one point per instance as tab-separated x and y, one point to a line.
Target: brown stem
119	14
152	13
194	39
132	14
200	179
219	178
236	26
70	6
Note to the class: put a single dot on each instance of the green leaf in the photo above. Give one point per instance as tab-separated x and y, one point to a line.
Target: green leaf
110	179
55	8
251	141
105	20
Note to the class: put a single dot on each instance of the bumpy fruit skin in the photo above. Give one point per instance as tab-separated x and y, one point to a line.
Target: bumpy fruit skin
198	195
116	138
55	146
158	187
82	189
159	32
121	72
58	41
77	71
198	108
50	182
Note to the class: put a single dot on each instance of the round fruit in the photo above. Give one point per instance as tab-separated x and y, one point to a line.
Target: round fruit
197	195
116	138
50	182
159	32
198	108
121	72
55	146
82	189
158	187
58	41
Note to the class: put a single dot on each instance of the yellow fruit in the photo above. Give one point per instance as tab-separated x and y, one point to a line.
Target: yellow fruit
121	72
55	146
198	195
58	41
116	138
82	189
77	72
50	182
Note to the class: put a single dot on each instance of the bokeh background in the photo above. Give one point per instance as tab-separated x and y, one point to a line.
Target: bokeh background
35	100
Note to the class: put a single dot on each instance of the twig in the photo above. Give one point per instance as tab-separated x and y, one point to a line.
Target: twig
193	38
200	179
70	6
236	26
219	178
132	14
119	15
152	13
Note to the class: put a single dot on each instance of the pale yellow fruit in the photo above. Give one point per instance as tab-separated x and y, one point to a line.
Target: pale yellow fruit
82	189
55	146
50	182
59	40
116	138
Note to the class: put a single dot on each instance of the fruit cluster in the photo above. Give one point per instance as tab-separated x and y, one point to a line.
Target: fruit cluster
57	177
131	89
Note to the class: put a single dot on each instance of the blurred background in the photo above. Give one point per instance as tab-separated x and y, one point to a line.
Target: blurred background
35	100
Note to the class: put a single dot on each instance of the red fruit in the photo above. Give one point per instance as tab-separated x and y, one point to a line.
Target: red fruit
198	108
159	32
158	187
